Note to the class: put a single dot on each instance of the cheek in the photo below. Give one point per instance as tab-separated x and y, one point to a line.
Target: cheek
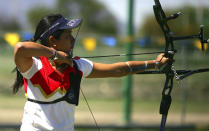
65	44
68	44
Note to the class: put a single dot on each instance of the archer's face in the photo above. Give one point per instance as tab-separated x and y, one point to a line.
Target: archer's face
65	42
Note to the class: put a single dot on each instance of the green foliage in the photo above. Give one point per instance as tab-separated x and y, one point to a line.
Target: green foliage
35	14
9	25
186	24
96	17
205	128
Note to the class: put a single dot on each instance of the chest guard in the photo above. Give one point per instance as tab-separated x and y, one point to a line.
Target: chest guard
72	95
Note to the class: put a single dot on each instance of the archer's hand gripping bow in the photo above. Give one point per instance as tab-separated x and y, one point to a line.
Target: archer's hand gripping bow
169	71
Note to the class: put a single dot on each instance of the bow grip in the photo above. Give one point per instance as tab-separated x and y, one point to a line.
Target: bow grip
165	104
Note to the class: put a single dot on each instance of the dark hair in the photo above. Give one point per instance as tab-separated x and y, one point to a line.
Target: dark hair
43	25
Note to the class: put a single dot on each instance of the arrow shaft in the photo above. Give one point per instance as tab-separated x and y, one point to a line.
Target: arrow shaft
117	55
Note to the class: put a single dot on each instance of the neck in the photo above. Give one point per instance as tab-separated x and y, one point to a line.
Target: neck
59	67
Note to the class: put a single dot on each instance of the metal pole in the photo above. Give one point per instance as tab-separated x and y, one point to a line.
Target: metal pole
184	62
127	83
184	87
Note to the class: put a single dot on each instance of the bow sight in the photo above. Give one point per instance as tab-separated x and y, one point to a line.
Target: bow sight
200	36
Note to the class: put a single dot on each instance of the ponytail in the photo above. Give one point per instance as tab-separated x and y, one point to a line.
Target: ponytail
18	82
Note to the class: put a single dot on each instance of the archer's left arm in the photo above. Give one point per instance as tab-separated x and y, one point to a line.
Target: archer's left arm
120	69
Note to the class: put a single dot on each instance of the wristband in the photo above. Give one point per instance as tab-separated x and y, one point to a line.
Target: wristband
53	57
156	64
145	65
129	67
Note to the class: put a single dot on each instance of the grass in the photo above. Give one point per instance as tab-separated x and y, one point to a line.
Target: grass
12	102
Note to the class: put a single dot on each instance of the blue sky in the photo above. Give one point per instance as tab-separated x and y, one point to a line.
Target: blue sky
18	8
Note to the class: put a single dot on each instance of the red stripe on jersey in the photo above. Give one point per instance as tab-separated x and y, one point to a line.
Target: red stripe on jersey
49	79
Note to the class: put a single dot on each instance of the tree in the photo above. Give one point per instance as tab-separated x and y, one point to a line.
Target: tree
96	18
9	25
35	14
186	24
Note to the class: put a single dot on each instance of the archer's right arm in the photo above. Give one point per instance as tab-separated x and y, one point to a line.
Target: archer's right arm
24	51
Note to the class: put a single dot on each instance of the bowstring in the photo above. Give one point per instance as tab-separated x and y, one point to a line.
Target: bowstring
76	36
90	110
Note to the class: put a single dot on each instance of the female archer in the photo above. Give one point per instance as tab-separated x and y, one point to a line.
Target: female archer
51	77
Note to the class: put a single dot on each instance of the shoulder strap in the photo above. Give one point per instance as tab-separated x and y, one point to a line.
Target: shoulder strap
72	95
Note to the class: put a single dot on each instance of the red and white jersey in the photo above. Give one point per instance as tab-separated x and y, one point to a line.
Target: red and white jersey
43	83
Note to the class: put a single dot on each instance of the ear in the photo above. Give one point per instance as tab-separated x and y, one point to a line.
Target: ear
52	41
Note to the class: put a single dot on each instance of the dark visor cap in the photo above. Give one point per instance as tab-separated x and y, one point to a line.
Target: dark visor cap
61	24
